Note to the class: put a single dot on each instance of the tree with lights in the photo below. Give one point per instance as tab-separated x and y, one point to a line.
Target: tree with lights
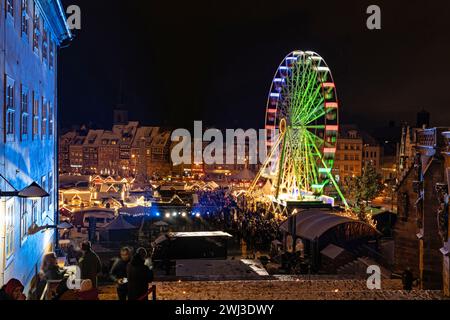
363	189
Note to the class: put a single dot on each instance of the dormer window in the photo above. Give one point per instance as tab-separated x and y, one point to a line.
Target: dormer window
353	134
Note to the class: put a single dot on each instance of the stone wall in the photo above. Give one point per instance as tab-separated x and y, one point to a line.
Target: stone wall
406	244
432	257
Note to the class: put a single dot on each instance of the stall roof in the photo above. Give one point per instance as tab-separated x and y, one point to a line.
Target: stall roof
119	224
312	223
133	211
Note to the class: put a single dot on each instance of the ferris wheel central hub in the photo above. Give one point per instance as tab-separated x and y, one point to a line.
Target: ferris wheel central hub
283	126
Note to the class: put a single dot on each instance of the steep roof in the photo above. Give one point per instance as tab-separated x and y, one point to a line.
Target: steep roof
161	139
93	137
144	133
68	137
109	136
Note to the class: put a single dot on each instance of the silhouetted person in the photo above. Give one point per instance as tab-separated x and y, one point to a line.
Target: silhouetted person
118	273
89	263
407	279
139	276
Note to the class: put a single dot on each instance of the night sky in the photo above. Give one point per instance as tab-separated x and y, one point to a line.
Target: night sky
214	60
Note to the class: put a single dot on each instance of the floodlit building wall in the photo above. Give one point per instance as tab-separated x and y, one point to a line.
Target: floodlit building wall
28	68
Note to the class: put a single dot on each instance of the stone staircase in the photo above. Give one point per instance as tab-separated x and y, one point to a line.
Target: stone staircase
358	268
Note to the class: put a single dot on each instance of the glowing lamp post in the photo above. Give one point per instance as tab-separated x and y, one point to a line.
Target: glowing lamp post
33	191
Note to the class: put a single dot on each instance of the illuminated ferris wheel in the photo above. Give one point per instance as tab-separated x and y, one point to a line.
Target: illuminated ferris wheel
302	127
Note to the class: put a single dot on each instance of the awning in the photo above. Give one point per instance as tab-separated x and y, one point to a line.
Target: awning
313	223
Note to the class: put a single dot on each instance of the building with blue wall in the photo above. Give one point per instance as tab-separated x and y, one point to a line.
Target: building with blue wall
31	31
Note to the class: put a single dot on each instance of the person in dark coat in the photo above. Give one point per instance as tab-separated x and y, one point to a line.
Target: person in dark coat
407	279
73	255
12	290
139	276
90	264
118	273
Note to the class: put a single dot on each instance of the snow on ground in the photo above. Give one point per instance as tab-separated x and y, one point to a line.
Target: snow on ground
299	289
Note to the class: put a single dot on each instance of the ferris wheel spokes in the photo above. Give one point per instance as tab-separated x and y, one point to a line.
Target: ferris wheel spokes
302	98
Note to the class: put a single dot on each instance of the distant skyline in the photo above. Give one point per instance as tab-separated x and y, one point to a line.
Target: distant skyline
214	61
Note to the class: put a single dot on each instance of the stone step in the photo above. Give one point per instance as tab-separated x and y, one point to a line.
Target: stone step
278	290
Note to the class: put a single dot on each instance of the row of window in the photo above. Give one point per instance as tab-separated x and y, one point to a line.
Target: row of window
351	157
373	154
350	147
348	168
76	154
41	113
41	40
347	157
105	142
30	213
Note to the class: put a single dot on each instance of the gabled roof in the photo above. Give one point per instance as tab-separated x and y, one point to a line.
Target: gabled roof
68	136
144	133
119	224
109	136
78	140
176	200
161	139
93	138
126	132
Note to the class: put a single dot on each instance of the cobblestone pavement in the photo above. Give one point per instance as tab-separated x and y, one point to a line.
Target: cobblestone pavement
298	289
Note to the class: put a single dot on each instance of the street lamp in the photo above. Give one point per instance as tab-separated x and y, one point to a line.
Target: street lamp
62	226
33	191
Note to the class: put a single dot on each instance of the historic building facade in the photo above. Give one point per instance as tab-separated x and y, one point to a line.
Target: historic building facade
30	34
349	153
128	150
421	232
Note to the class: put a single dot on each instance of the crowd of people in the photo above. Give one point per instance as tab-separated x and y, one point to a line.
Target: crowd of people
256	226
130	272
